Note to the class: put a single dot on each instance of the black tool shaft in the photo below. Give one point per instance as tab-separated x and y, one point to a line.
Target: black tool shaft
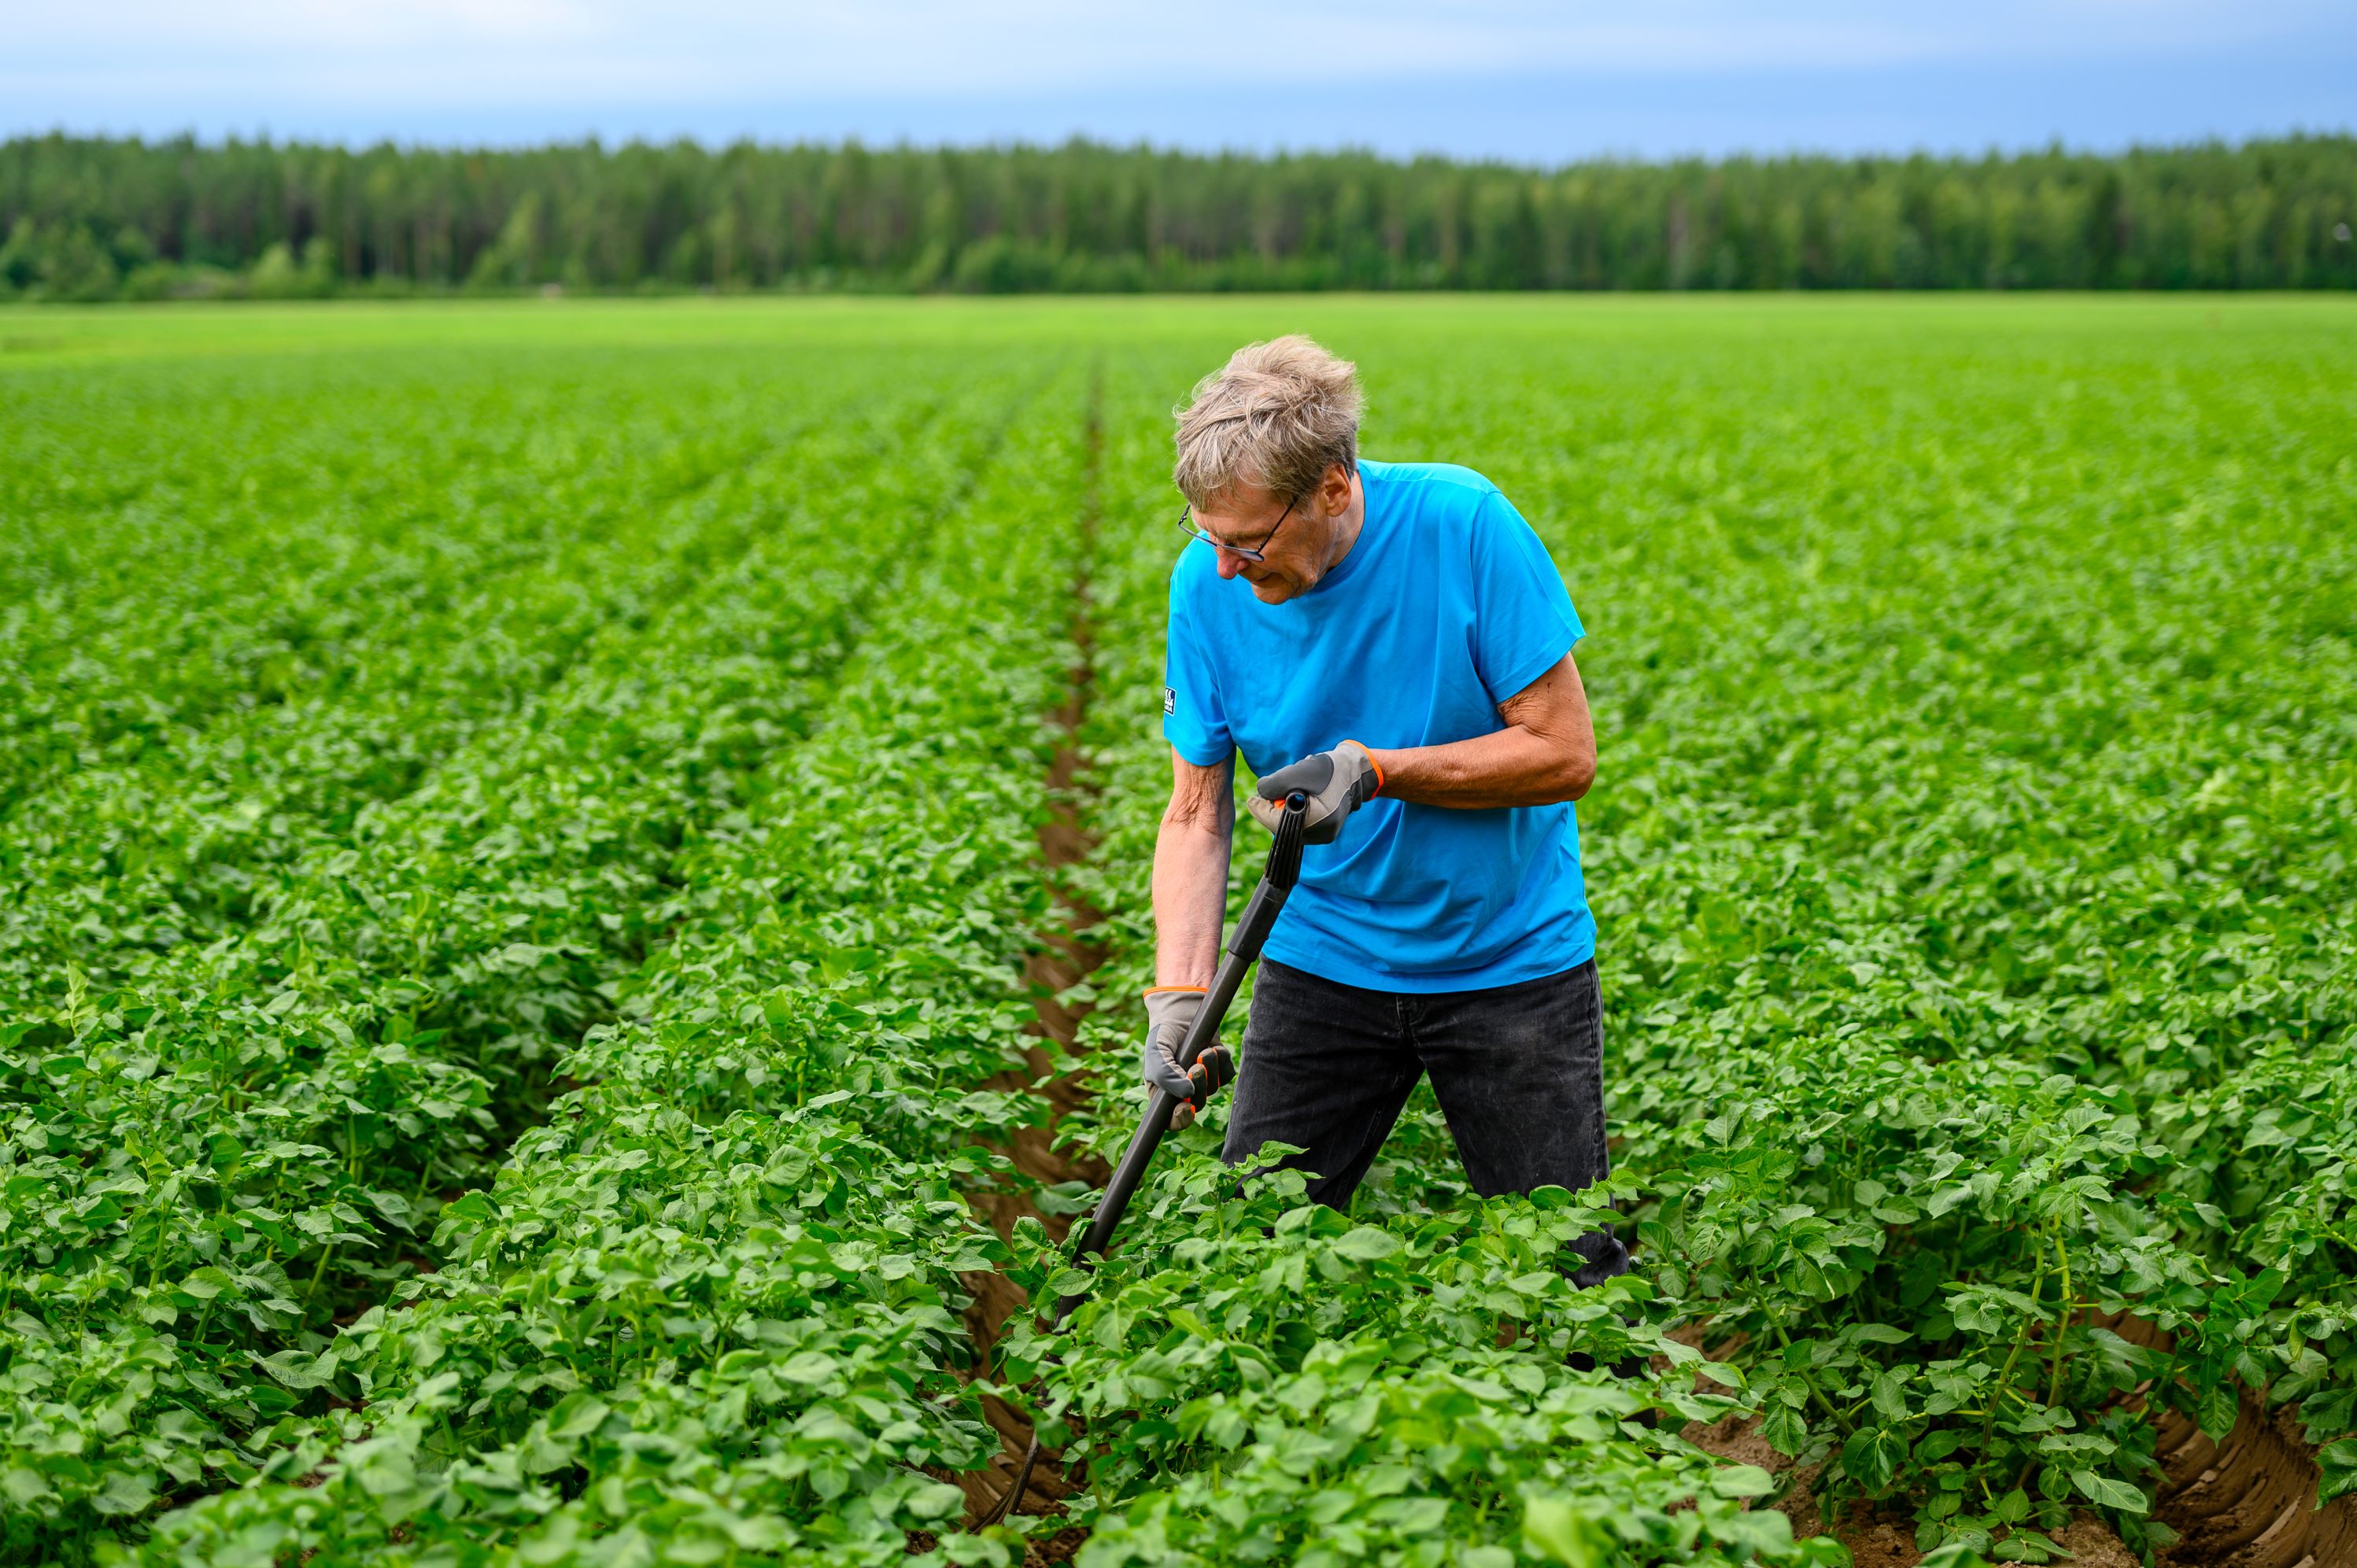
1159	1106
1244	947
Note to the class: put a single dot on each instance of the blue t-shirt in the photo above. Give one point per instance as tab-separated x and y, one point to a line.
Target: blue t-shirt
1447	605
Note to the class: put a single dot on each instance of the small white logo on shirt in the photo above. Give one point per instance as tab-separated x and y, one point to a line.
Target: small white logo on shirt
1170	700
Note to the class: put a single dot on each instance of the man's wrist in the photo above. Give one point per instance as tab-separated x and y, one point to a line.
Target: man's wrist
1394	771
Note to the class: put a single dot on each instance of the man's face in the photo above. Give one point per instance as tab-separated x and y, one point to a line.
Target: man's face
1293	544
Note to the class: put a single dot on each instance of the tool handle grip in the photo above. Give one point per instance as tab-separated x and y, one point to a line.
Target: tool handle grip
1267	902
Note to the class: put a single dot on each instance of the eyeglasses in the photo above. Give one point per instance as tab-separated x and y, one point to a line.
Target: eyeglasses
1250	553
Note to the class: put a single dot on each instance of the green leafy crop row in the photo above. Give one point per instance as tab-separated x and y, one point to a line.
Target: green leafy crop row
221	1147
516	893
1976	873
710	1303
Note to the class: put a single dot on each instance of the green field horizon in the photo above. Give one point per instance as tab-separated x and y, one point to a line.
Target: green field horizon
69	327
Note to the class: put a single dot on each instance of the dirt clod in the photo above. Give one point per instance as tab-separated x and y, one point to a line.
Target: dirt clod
2092	1544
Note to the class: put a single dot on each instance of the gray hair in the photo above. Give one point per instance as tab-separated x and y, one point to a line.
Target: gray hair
1278	416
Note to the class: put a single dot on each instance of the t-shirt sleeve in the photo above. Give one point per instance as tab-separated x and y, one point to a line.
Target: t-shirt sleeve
1522	619
1193	720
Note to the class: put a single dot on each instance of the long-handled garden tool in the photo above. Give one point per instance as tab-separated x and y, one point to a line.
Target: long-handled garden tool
1268	901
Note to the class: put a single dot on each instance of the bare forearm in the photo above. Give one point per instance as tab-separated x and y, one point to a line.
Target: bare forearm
1512	767
1546	753
1191	887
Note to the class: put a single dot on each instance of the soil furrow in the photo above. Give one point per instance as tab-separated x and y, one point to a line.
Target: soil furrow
2246	1500
1065	959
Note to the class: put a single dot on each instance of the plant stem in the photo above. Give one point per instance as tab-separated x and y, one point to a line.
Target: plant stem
2062	1257
2005	1377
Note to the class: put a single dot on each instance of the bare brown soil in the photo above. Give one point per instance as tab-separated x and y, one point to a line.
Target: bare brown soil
1065	960
2247	1500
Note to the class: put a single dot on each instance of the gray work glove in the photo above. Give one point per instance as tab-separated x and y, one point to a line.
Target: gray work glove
1170	1012
1337	782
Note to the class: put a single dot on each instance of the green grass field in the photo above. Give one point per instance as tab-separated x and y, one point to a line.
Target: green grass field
535	855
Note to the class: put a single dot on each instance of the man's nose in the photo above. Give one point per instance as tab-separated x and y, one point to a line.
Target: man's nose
1229	565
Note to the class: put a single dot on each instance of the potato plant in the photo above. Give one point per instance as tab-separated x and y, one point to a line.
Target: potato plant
219	1159
1986	964
521	844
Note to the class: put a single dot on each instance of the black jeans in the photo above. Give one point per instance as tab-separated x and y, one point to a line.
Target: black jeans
1519	1071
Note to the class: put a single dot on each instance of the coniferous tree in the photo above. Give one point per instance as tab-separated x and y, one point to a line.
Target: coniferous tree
84	218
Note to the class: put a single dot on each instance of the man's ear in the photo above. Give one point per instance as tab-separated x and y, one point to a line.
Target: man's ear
1336	488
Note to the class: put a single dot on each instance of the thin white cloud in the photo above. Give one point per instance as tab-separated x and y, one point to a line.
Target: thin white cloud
529	68
438	46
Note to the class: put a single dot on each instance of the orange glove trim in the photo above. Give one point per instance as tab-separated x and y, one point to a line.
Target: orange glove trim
1378	767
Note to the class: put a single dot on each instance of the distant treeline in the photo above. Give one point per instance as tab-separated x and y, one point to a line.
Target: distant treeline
91	219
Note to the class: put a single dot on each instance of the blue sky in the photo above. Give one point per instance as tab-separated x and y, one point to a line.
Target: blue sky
1509	79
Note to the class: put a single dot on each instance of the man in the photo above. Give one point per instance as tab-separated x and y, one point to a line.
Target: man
1392	640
